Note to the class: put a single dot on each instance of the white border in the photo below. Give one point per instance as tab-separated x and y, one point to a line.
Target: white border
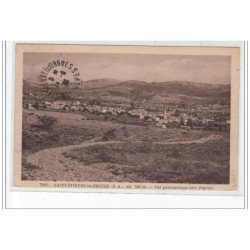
93	198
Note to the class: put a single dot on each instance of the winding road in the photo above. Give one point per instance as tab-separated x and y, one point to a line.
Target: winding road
51	165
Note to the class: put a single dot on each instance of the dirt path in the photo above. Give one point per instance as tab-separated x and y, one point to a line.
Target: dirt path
201	140
51	165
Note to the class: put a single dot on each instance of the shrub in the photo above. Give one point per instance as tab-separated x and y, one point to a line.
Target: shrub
109	135
36	106
47	121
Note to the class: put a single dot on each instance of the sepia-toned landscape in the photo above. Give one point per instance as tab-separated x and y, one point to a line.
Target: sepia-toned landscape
111	130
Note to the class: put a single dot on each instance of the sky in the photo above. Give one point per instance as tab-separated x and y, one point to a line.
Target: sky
142	67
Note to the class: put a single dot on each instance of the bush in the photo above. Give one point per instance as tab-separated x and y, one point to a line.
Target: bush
47	121
109	135
36	106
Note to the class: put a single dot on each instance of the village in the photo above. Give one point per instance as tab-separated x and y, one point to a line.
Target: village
209	117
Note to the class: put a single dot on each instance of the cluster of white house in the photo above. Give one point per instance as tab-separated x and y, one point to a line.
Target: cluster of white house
164	119
73	106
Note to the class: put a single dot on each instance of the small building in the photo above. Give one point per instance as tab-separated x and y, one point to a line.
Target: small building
76	103
48	104
74	108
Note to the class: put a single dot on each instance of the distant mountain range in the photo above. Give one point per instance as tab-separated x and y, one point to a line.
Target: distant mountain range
98	83
115	91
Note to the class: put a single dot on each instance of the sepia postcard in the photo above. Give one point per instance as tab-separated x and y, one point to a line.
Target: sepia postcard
126	117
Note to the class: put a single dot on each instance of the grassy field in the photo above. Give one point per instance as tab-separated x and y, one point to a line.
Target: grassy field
74	128
67	130
137	158
147	162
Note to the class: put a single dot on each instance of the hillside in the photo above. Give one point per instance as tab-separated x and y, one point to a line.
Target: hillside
202	90
110	91
98	83
165	92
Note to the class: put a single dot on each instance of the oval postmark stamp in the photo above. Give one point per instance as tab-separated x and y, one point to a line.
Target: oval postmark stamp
60	73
